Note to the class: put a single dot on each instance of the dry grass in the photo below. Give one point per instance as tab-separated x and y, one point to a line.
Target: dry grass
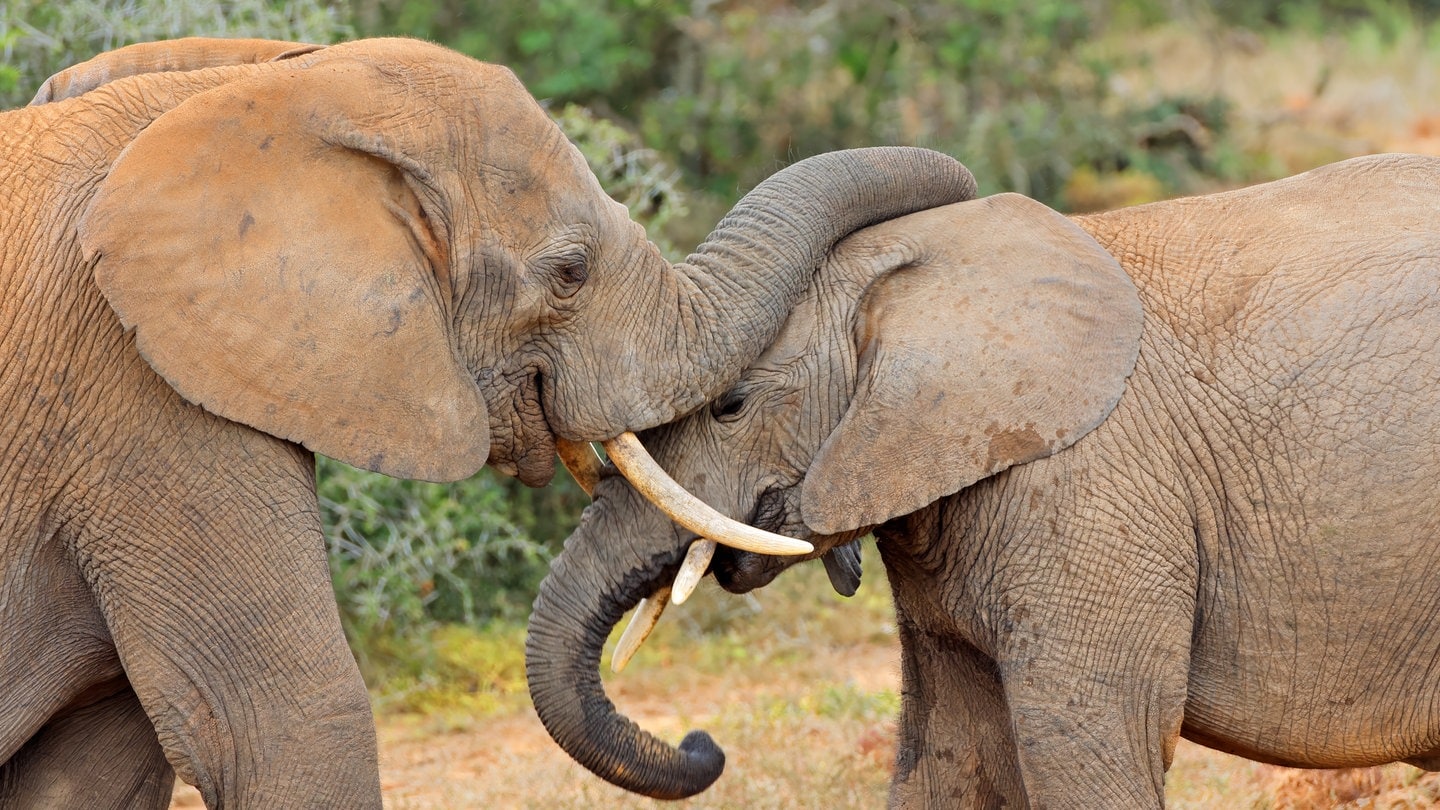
1202	779
1302	101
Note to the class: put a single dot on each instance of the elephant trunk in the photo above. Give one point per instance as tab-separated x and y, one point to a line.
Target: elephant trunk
712	315
589	588
747	274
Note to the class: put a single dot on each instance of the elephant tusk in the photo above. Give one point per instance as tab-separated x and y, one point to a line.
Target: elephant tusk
647	615
583	462
697	560
659	488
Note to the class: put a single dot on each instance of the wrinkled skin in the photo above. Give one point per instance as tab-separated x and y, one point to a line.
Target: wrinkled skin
222	256
1234	544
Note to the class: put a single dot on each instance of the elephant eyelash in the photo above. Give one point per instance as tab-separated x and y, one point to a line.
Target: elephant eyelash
729	407
571	273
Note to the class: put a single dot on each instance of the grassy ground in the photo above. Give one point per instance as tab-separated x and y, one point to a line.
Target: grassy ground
800	688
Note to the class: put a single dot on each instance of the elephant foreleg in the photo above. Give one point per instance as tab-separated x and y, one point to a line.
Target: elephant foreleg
102	755
955	747
220	605
1096	720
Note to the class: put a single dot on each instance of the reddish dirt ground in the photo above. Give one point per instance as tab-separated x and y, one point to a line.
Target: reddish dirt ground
509	761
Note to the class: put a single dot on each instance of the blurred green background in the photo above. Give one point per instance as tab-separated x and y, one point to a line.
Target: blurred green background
682	105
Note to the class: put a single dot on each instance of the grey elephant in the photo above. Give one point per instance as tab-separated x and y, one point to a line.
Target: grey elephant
222	256
1166	471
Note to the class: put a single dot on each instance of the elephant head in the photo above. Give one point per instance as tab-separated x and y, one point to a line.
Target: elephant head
388	252
933	350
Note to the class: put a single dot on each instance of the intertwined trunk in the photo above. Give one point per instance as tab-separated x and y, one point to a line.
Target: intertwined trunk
589	588
710	316
733	295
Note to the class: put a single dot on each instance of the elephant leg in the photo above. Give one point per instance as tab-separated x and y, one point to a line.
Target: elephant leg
102	755
955	747
219	601
1096	720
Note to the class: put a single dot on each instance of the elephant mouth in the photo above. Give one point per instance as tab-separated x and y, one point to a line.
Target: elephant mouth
536	465
743	571
740	571
527	449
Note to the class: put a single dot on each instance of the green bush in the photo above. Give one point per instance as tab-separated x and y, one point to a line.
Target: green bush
1010	88
407	552
610	51
733	91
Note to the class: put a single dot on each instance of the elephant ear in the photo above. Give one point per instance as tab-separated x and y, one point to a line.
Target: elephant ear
1003	334
280	278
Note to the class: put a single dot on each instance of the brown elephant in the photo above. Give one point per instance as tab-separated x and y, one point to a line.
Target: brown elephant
1165	471
220	256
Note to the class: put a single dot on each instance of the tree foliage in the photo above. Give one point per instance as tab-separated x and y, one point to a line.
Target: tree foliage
733	90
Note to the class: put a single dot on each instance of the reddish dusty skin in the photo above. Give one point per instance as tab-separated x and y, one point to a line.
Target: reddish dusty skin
381	250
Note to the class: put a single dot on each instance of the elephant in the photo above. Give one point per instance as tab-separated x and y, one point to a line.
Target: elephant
1162	471
222	257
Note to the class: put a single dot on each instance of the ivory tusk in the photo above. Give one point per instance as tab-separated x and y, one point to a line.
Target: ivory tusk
696	561
645	475
582	461
647	615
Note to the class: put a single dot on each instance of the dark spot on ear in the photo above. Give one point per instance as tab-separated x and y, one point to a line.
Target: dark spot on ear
395	322
245	223
265	144
1015	446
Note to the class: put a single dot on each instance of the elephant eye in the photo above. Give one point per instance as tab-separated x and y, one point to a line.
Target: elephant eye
728	407
571	272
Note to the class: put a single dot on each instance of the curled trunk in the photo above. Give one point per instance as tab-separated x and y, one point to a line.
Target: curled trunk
715	314
759	259
588	590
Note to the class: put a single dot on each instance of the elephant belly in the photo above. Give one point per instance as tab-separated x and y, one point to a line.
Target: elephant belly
1317	615
1324	658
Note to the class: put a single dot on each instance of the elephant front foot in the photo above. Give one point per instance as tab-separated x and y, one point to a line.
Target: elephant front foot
956	749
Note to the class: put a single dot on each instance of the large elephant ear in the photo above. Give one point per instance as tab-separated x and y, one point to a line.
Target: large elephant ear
1003	334
282	279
